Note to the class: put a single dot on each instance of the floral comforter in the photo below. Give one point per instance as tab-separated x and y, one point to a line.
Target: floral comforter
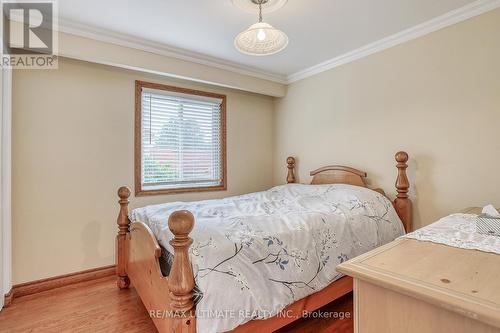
255	254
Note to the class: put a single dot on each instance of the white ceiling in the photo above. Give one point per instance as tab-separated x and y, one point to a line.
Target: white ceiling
319	30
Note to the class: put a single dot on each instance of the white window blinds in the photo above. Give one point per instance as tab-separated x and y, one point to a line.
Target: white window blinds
181	140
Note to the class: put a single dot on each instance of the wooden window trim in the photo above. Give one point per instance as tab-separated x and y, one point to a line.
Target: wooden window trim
139	191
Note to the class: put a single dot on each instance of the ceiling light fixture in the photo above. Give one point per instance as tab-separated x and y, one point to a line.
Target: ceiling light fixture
261	38
267	7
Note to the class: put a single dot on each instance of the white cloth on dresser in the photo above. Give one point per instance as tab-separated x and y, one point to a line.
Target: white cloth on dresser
457	230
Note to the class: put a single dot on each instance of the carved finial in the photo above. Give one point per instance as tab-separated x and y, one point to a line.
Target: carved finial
181	275
124	192
121	239
290	178
403	204
123	222
402	157
181	223
402	183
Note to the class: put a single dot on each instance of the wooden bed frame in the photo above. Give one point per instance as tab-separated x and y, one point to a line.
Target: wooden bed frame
169	300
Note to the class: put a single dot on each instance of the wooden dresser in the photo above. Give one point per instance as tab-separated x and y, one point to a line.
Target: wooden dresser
410	286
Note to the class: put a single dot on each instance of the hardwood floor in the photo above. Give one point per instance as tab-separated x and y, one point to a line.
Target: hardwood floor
98	306
326	325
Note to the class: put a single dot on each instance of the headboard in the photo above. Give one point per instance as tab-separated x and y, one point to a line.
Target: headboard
332	174
337	174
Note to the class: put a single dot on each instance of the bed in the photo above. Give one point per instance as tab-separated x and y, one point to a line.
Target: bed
258	261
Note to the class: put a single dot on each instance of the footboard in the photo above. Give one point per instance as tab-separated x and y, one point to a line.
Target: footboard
167	299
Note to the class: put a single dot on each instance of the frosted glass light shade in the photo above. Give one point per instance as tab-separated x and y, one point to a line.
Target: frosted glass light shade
261	39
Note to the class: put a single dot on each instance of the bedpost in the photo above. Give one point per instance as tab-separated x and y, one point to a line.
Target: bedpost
121	239
403	204
290	178
181	278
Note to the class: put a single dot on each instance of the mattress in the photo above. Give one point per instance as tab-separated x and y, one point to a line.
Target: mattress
255	254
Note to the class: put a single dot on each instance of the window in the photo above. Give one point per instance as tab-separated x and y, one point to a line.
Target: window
180	140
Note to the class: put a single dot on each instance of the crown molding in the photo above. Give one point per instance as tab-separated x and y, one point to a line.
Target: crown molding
458	15
108	36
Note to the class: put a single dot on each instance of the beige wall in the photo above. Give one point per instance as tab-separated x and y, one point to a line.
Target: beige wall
73	147
438	97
